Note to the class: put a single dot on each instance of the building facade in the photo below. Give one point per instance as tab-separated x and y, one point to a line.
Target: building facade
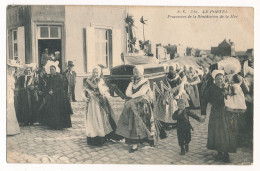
86	35
225	48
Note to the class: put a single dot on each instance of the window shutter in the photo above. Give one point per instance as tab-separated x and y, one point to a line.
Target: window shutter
10	45
90	48
21	44
116	47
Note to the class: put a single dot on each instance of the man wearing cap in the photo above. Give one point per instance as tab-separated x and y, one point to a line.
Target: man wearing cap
71	81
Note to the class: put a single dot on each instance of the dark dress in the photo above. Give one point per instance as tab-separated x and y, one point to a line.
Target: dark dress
66	88
58	113
25	101
40	87
184	126
222	126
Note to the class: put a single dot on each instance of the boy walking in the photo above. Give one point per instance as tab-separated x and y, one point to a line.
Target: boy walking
183	125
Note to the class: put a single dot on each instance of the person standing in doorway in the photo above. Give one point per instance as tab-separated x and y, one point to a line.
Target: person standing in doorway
71	77
45	57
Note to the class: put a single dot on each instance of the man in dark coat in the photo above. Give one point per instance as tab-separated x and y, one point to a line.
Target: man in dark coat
71	77
58	111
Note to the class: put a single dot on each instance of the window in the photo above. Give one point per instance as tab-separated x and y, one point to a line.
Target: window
49	32
15	44
103	46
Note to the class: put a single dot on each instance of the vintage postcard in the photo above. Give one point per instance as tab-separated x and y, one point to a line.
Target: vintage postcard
130	85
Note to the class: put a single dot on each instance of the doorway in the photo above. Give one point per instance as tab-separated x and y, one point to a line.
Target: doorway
52	45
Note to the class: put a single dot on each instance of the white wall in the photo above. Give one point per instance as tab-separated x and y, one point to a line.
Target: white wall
79	17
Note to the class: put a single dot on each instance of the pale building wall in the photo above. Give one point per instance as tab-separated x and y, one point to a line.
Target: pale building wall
80	21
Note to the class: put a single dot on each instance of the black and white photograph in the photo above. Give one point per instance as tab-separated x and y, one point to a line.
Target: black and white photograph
153	85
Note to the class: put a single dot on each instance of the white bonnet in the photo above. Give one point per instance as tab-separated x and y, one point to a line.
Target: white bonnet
98	68
216	72
140	69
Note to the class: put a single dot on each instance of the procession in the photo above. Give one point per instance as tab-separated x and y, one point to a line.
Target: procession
44	99
124	99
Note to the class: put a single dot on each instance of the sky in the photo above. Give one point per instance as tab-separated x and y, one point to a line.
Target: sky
196	32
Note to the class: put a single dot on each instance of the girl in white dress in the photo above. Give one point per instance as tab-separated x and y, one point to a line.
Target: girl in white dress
11	120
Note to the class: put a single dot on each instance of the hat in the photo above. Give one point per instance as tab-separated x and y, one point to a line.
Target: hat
14	63
140	69
216	72
33	66
70	63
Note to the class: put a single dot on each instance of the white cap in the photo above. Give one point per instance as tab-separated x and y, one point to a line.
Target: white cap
140	69
216	72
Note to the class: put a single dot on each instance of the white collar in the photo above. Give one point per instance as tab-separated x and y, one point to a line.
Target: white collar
140	83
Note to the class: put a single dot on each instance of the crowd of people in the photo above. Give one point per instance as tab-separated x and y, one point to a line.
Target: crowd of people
39	95
223	94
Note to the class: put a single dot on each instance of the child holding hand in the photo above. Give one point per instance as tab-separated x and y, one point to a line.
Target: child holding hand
183	125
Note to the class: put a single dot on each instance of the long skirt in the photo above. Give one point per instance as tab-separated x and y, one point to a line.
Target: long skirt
58	115
12	126
164	108
193	92
100	124
222	130
136	121
25	107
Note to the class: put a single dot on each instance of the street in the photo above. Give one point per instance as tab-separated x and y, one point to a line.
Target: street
39	144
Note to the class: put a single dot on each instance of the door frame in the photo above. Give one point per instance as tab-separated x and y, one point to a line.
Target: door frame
35	58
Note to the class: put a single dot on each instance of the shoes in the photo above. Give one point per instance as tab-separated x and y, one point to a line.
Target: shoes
133	150
151	142
74	100
187	147
182	151
219	156
226	158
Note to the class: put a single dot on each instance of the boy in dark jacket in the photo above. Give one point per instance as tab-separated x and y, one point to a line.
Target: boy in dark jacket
183	125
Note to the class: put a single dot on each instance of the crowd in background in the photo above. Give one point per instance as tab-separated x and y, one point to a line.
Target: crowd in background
40	95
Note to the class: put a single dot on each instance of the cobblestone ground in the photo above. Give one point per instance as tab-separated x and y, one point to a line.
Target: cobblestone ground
38	144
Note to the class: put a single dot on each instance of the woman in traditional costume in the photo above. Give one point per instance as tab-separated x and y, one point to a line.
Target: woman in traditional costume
26	98
12	126
100	122
191	87
222	126
136	123
172	89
